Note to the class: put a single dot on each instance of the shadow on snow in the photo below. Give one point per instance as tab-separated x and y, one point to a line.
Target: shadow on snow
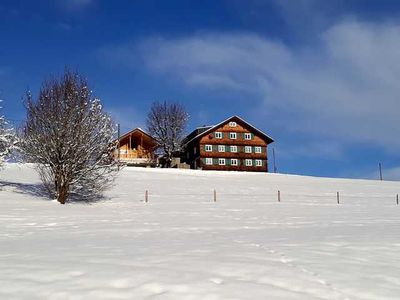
38	190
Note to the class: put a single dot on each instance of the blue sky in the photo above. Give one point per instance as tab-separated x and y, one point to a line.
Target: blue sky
321	77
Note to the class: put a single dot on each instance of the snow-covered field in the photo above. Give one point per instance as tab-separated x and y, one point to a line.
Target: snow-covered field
183	245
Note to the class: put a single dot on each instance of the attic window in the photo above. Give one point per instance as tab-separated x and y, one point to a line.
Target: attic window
218	135
232	124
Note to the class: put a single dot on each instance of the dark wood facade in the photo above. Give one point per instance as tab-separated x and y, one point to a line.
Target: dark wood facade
232	144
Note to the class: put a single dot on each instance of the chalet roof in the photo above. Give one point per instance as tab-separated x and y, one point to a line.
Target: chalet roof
137	129
235	117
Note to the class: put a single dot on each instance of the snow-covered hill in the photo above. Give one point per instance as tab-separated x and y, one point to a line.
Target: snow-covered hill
183	245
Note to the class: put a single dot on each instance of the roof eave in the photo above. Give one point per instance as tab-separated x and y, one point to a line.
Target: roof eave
271	140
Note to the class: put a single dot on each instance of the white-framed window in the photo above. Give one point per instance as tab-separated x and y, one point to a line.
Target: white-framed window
257	149
221	161
234	162
208	148
249	162
247	149
221	148
232	135
218	135
209	161
247	136
258	163
232	124
234	149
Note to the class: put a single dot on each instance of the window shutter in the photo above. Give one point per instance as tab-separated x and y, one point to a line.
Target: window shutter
215	161
228	161
212	134
252	136
227	148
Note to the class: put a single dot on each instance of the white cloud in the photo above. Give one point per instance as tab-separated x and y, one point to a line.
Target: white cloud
346	87
314	149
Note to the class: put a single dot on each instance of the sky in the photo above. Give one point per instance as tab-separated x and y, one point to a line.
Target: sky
321	77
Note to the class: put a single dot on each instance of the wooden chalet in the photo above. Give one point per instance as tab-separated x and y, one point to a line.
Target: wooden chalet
233	144
136	148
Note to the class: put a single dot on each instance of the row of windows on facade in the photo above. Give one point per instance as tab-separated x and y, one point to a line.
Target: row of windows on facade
234	162
233	135
233	148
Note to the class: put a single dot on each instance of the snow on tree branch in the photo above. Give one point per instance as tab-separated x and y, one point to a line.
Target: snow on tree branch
71	138
7	139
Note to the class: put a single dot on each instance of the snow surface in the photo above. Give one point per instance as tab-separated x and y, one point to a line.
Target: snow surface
183	245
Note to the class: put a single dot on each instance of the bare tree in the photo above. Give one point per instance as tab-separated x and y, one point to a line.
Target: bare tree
167	123
70	137
7	139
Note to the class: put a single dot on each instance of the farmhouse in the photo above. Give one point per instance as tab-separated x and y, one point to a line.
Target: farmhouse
136	148
233	144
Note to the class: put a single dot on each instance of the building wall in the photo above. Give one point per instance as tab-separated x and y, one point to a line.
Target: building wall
212	140
131	151
126	152
191	155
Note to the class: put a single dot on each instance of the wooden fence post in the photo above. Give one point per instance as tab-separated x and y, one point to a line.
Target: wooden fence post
146	196
215	195
397	199
279	196
337	197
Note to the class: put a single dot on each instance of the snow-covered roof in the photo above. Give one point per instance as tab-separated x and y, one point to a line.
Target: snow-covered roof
267	137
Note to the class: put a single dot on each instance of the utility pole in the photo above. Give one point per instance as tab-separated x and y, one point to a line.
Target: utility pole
273	155
380	171
119	151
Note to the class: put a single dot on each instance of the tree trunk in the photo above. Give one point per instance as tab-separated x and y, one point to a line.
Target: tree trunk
62	197
62	194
